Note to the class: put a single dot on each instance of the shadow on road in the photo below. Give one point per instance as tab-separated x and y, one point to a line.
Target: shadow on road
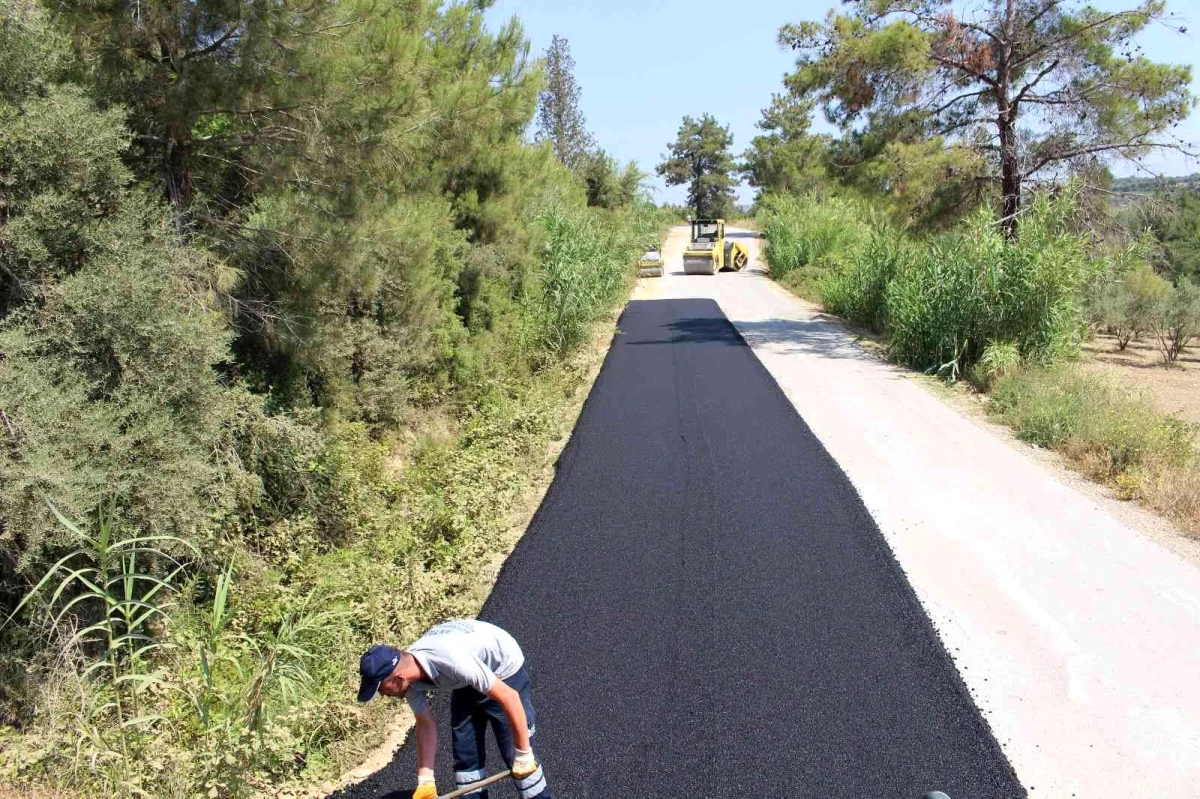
821	336
743	234
695	331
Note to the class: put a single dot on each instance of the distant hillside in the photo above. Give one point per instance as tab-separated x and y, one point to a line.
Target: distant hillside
1147	185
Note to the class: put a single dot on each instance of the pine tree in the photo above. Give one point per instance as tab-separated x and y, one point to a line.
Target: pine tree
785	157
700	157
108	339
1033	85
560	120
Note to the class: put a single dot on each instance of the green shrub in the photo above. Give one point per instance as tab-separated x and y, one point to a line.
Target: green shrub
245	379
972	287
110	347
999	359
858	292
1113	432
1045	408
1177	321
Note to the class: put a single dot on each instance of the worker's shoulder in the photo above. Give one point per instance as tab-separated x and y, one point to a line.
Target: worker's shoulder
451	627
457	630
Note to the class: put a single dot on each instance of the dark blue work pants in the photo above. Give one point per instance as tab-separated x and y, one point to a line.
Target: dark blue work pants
471	713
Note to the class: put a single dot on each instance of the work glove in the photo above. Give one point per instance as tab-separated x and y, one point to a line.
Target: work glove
523	764
425	788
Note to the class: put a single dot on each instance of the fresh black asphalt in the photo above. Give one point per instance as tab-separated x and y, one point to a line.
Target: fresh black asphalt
707	608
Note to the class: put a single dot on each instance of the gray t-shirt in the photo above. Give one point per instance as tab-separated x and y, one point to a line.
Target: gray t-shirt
462	653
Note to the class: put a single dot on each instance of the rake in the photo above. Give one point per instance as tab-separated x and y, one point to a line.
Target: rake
485	782
475	786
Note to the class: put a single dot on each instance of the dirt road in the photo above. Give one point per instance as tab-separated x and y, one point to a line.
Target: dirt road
1077	635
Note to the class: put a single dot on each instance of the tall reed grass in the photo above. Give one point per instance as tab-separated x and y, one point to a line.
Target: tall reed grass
808	239
584	270
859	291
972	287
942	300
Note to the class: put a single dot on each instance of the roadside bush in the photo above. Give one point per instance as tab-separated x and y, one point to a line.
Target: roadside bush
1178	319
243	691
858	291
999	360
972	287
809	239
1112	432
108	340
308	394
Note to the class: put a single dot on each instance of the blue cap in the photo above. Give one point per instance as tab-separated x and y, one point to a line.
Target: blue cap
376	665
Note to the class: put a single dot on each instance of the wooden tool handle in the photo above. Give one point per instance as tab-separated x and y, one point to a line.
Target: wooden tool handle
475	786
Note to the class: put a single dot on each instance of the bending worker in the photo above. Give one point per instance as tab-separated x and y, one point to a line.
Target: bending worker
484	669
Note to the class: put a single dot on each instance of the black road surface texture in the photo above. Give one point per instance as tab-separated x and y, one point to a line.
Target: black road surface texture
708	610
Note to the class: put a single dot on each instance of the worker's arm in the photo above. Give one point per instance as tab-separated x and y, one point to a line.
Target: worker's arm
426	751
510	701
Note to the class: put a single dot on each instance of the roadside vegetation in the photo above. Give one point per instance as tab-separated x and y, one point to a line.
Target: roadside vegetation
928	223
280	360
1009	317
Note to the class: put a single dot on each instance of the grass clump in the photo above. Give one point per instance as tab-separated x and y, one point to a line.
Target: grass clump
999	359
972	287
1112	435
859	291
808	240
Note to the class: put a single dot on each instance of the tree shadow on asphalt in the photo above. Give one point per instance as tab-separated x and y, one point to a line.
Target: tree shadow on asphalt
820	336
698	330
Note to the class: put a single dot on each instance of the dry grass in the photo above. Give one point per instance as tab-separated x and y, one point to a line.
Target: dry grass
1171	389
1111	433
1175	494
423	427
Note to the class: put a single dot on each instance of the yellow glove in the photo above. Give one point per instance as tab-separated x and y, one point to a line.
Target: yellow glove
523	764
425	789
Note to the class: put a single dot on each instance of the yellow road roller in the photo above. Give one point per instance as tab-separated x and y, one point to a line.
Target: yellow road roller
651	262
710	252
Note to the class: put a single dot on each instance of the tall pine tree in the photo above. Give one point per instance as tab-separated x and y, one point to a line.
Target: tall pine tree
1035	86
700	157
560	120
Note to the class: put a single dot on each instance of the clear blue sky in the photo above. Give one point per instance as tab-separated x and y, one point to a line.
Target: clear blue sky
642	65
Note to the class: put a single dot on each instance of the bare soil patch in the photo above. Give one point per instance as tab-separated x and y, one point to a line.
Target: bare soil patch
1172	389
